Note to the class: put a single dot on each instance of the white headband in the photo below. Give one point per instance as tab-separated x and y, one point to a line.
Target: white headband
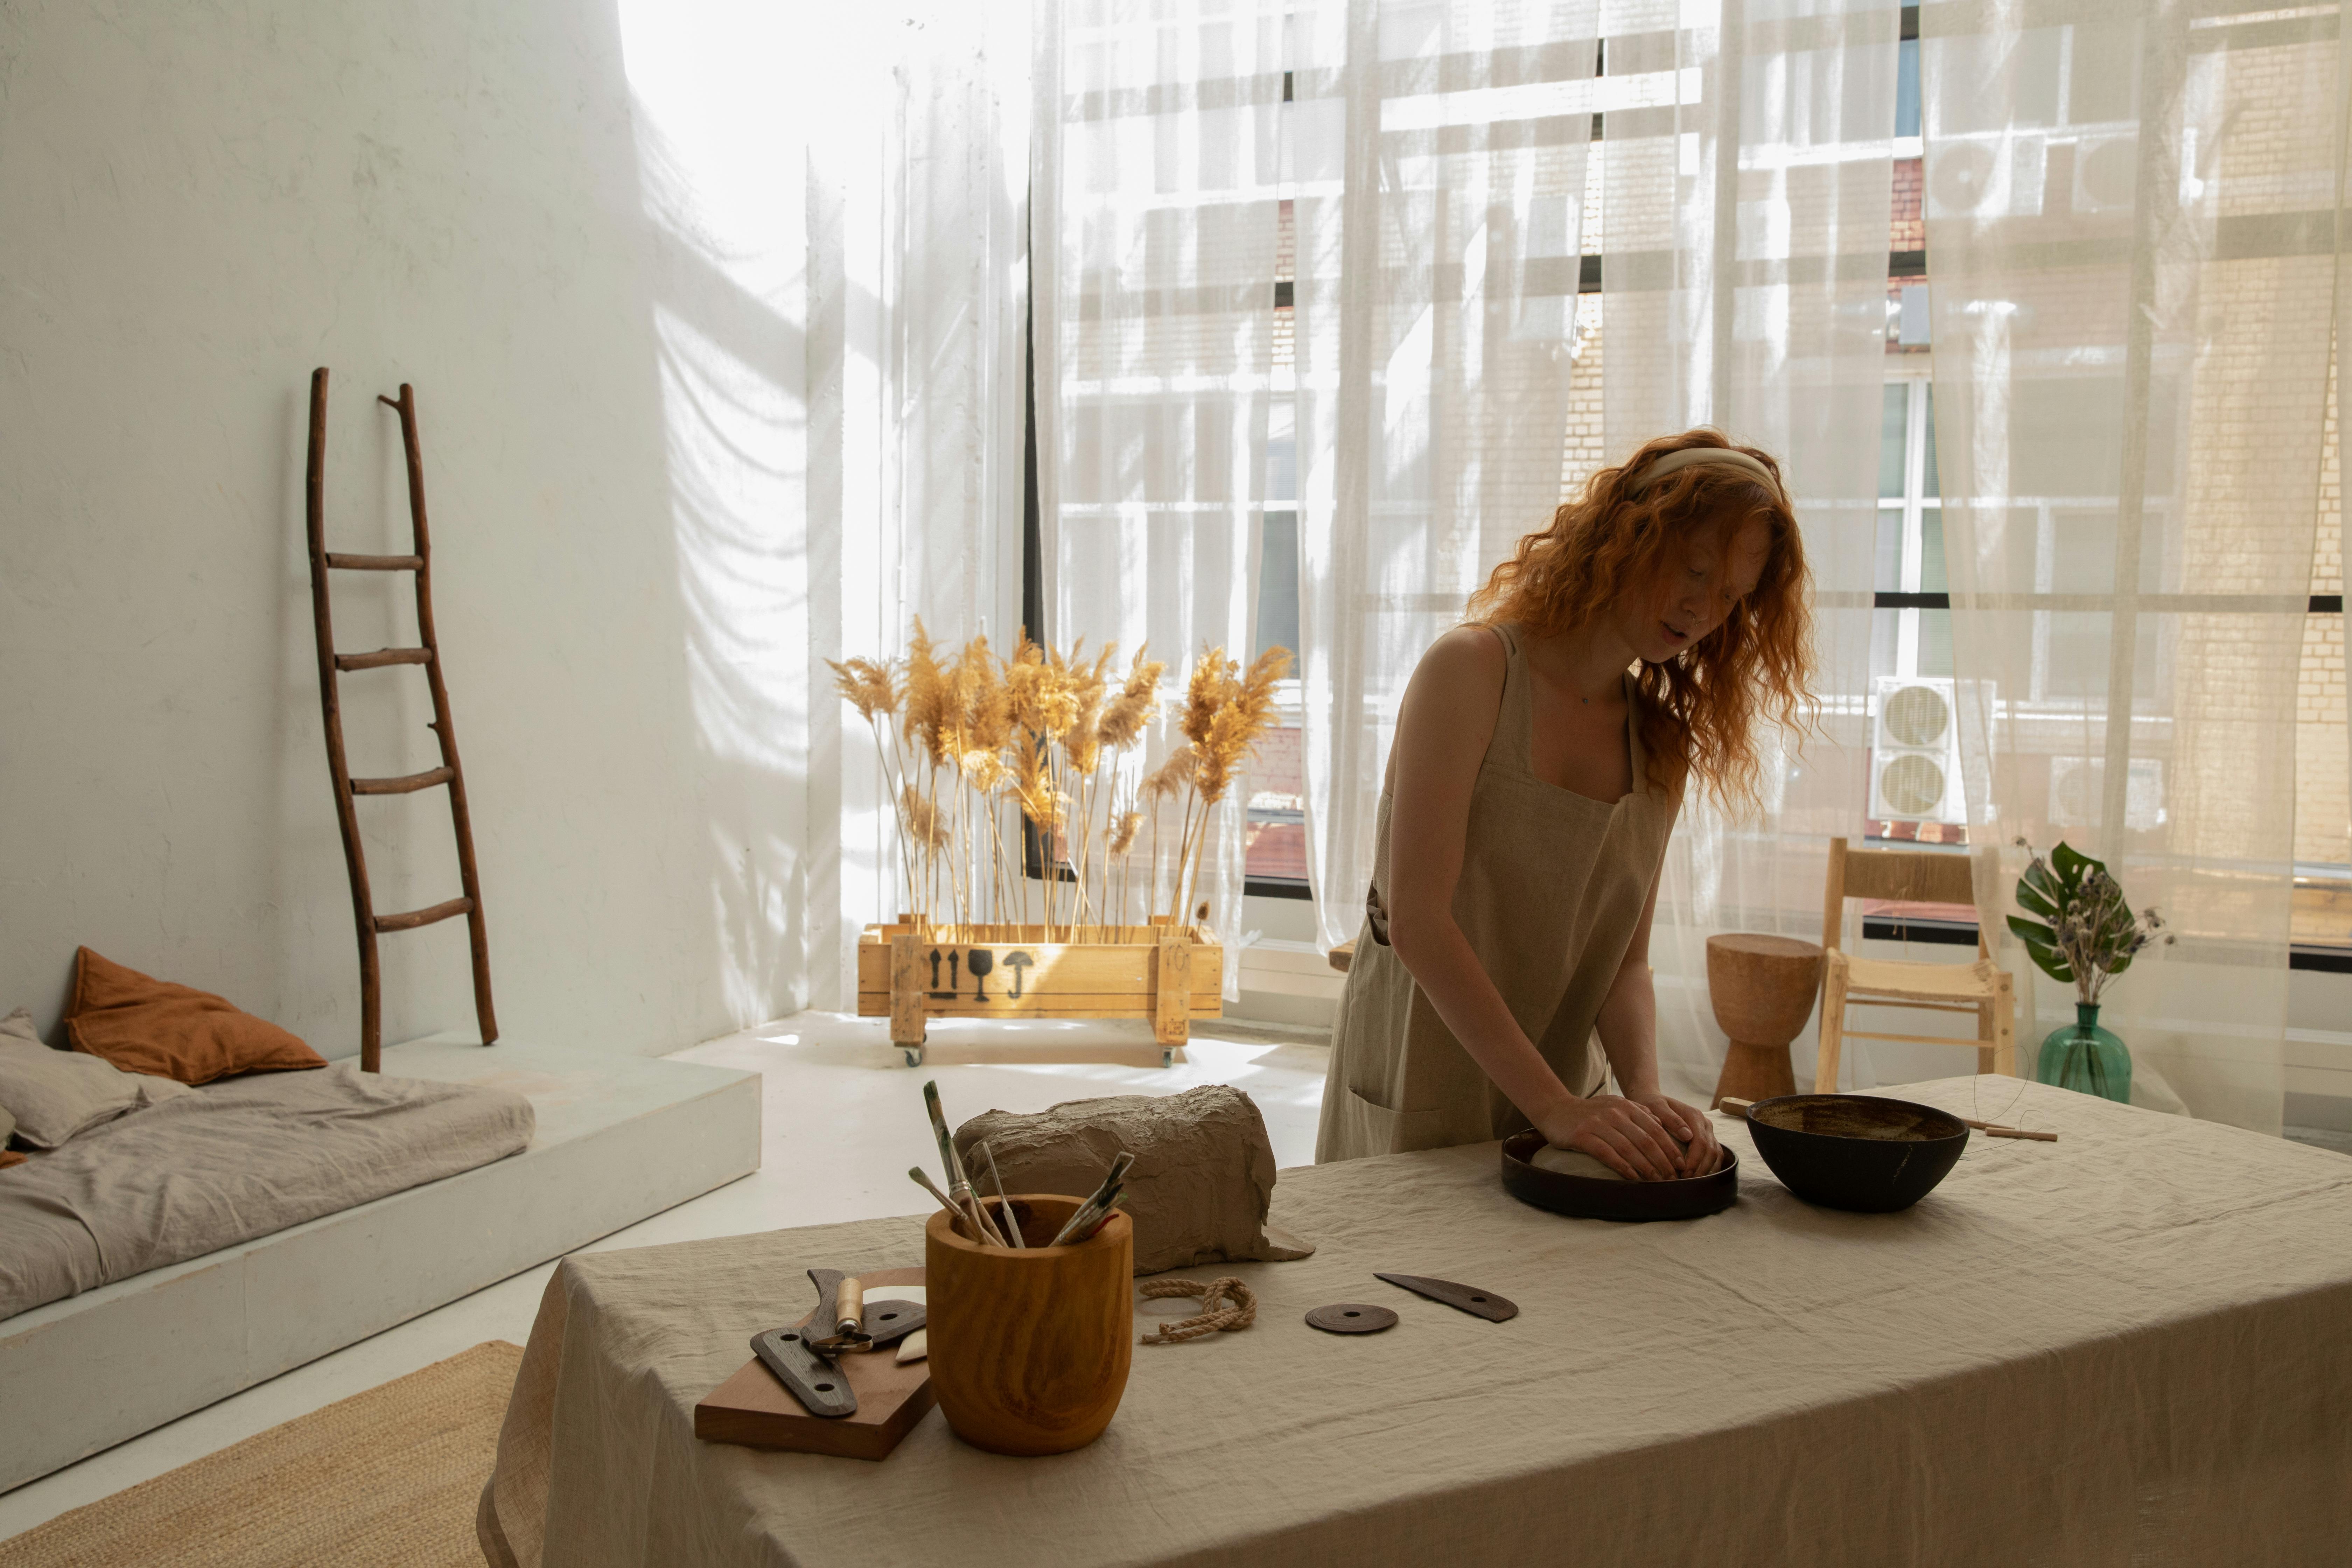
1674	461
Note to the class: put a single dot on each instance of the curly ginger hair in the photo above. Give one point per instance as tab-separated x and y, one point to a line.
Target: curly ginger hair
1698	709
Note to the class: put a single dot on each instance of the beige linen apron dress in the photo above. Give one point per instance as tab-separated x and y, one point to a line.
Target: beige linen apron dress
1552	886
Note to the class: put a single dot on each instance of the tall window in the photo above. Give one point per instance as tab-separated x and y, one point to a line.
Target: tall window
1912	638
1276	837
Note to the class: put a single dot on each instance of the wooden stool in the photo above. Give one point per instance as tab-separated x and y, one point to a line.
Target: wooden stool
1762	988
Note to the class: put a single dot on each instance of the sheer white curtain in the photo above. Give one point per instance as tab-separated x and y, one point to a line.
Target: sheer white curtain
918	280
1747	184
1157	206
2131	216
1438	167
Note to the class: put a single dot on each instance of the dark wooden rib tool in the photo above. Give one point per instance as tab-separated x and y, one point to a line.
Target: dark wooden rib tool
1463	1297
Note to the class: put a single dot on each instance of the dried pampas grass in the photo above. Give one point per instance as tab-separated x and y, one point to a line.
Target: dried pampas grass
1135	705
970	732
1122	837
868	686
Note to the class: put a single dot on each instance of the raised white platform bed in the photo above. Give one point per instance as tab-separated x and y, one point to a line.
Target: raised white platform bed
618	1139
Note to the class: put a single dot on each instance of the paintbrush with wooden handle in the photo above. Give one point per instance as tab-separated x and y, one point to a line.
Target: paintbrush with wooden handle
1090	1214
1009	1224
960	1189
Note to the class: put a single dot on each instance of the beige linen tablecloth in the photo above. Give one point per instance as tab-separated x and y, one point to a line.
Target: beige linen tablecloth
2132	1346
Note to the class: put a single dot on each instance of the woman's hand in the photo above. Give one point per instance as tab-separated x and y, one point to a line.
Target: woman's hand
1628	1137
1700	1151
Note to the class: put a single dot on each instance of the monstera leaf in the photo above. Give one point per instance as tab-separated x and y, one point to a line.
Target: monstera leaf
2049	888
2042	948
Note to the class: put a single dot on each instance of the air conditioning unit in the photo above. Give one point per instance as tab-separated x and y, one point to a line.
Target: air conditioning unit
2107	173
1995	175
1914	752
2078	784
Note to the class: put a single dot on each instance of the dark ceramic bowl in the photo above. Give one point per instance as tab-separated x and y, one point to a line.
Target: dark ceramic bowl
1854	1150
1593	1197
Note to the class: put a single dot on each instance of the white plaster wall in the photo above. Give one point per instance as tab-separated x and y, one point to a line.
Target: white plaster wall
578	230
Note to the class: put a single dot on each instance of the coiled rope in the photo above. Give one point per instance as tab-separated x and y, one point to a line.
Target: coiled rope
1212	1319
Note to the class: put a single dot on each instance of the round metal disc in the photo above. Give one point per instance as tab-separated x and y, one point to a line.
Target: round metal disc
1352	1318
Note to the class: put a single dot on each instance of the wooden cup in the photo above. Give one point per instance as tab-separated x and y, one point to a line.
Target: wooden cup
1029	1348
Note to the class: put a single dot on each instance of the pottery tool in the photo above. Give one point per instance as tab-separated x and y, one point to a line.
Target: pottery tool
925	1182
922	1179
757	1407
862	1323
917	1344
1352	1318
840	1321
965	1201
1011	1225
1990	1129
815	1381
1462	1297
1083	1225
1090	1214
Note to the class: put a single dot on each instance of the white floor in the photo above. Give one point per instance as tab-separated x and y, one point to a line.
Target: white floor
842	1120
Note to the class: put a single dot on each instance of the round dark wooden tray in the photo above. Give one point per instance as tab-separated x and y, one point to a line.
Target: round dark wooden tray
1591	1197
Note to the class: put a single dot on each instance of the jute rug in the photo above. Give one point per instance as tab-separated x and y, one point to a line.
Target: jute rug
389	1476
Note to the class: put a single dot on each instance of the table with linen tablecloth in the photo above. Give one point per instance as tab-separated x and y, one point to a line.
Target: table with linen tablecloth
2133	1345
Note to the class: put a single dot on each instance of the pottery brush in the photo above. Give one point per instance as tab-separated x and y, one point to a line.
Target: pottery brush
961	1210
1011	1226
966	1202
1090	1217
1100	1201
922	1179
1102	1217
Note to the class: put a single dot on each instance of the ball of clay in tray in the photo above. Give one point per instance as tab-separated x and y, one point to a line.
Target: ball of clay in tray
1574	1162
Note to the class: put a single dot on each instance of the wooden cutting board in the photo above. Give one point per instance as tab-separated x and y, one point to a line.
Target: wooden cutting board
752	1408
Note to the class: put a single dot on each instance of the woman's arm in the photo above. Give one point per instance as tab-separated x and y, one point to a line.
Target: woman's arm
1628	1025
1443	731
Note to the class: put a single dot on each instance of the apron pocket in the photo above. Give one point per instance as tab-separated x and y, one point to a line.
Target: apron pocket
1377	1129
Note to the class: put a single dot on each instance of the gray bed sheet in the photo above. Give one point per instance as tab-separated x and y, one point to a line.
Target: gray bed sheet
236	1160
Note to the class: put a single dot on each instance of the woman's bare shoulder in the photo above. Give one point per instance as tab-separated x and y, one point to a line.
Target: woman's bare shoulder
1448	715
1466	662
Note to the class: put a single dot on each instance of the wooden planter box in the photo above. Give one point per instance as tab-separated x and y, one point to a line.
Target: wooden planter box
1170	974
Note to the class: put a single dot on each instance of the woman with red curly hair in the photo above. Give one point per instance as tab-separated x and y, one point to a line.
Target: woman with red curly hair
1541	755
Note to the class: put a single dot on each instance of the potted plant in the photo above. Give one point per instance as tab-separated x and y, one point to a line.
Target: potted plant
2086	935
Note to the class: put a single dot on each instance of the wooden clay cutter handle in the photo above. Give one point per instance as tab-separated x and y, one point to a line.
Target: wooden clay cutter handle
849	1308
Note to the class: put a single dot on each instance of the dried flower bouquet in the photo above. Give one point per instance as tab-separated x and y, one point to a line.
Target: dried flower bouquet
973	744
2087	934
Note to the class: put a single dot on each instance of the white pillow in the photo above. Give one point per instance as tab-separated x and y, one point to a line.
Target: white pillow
54	1095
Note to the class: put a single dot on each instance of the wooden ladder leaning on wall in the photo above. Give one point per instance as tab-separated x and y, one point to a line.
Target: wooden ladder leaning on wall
450	774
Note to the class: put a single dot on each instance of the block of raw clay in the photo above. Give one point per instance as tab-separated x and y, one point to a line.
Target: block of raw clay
1200	1187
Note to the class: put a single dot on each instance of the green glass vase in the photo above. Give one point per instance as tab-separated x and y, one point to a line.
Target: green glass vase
2086	1058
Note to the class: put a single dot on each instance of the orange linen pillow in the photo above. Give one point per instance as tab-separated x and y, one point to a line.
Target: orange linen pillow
10	1157
143	1025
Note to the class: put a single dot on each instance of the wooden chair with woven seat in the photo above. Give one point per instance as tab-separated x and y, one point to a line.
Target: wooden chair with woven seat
1983	989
